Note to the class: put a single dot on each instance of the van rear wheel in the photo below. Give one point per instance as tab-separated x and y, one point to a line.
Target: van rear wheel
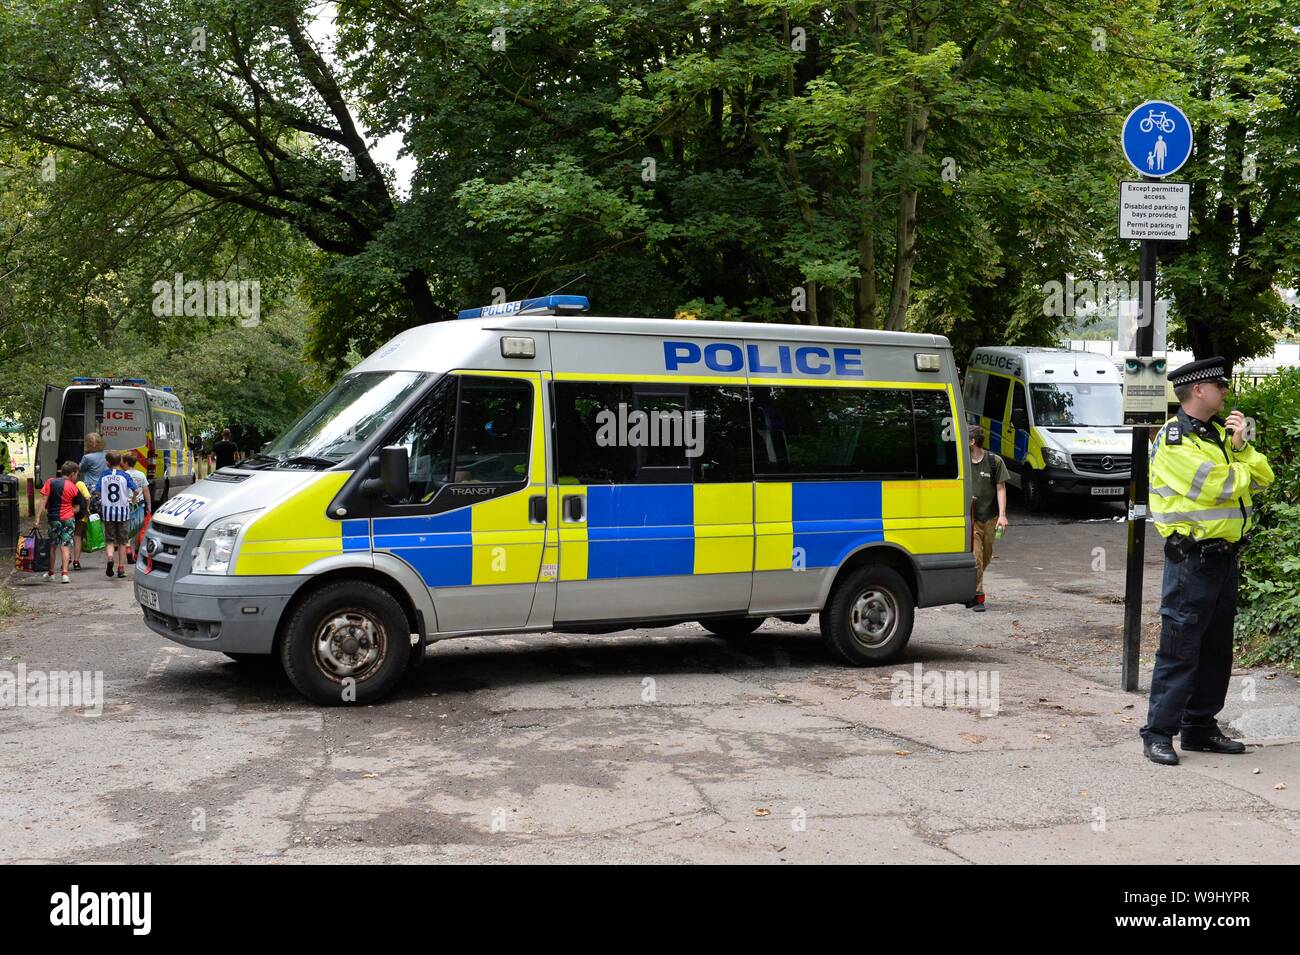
868	617
732	628
346	643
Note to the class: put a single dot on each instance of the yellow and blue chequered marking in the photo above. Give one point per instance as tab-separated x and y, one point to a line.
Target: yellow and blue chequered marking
659	530
685	530
831	519
640	530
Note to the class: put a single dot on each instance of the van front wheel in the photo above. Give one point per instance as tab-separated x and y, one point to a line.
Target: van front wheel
346	643
1034	489
868	618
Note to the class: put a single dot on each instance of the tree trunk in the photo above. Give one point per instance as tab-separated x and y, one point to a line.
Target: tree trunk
423	308
905	251
865	295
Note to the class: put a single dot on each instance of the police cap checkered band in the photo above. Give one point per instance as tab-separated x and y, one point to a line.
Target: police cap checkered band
1207	369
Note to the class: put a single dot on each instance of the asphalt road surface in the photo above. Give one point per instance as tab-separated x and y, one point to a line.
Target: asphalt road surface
654	745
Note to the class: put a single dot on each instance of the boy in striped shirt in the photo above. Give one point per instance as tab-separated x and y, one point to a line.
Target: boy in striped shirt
117	492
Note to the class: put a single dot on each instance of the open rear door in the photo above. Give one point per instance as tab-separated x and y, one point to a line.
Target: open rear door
47	434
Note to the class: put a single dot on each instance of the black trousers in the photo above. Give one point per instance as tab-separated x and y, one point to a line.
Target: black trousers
1198	602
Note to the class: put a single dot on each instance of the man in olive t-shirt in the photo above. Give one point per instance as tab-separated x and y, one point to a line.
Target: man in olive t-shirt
988	507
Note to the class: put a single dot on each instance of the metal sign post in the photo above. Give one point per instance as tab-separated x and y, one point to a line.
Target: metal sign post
1157	141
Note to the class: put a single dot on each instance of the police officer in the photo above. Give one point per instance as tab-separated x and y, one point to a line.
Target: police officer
1203	473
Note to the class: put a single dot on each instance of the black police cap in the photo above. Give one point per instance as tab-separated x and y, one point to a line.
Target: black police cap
1207	369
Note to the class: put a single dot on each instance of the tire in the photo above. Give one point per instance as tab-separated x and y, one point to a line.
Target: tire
868	617
732	628
1033	490
346	631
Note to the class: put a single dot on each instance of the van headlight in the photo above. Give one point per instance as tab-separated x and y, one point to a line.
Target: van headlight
1056	459
212	556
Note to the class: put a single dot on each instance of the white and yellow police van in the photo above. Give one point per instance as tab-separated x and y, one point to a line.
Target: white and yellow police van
531	469
130	415
1056	417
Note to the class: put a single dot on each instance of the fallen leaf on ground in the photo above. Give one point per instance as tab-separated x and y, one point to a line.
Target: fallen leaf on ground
902	752
972	737
762	812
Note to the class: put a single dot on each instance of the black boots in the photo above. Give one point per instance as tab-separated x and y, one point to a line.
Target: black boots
1160	752
1211	742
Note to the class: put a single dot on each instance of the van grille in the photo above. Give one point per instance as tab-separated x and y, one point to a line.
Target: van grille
1096	463
163	547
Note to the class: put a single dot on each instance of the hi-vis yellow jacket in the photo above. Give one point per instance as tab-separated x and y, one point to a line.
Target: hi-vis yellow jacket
1200	486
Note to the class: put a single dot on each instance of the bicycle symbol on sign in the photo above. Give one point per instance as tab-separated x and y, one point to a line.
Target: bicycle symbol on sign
1152	120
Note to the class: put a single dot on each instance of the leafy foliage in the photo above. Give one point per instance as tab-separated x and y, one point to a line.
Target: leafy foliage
1268	622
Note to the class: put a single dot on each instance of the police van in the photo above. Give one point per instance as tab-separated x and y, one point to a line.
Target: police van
530	468
1056	417
130	415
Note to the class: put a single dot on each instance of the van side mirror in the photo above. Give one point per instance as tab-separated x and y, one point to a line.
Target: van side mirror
395	473
1019	419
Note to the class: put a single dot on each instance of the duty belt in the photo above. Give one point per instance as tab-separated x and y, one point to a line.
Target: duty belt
1179	546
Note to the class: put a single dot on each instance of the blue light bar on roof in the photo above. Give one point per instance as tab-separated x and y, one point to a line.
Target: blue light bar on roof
84	380
547	305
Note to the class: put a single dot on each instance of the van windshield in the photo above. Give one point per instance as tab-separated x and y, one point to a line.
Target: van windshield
1077	406
341	421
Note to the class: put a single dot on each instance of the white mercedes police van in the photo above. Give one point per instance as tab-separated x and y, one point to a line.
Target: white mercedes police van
1056	417
531	469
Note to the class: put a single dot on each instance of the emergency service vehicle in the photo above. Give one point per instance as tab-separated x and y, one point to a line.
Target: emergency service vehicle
474	477
130	415
1056	417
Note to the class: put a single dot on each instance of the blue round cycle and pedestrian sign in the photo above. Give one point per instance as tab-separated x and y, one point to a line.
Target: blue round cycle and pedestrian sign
1157	139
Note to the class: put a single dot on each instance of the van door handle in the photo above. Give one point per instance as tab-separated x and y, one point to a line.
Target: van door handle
537	509
575	508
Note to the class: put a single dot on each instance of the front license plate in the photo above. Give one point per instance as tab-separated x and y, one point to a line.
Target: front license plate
1107	491
147	598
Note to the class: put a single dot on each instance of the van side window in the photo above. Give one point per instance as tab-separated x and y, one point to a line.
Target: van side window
664	419
632	433
995	397
936	455
1019	409
583	454
722	434
833	432
427	439
973	390
494	425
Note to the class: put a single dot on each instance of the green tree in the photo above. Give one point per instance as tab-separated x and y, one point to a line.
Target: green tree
1242	74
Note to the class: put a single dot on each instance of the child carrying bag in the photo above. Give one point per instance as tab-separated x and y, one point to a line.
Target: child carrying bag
94	539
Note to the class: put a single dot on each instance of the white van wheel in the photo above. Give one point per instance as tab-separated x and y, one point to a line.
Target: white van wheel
1033	490
868	617
346	643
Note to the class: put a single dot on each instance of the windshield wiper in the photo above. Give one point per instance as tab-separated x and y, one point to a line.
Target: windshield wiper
252	461
306	460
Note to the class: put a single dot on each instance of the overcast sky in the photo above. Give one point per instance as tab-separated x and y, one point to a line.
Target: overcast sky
385	150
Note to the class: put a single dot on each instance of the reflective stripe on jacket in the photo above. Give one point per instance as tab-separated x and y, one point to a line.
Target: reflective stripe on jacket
1200	486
